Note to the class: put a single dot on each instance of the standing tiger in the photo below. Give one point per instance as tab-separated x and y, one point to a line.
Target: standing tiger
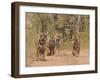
42	46
51	46
57	43
76	47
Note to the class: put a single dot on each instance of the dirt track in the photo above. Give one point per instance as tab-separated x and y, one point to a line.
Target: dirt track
63	58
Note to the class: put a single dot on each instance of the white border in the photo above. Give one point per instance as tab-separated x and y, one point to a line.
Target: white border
69	68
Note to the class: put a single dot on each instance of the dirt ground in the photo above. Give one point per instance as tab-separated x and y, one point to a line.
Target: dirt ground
63	58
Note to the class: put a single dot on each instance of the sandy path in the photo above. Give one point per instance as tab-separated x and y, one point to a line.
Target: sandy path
63	58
